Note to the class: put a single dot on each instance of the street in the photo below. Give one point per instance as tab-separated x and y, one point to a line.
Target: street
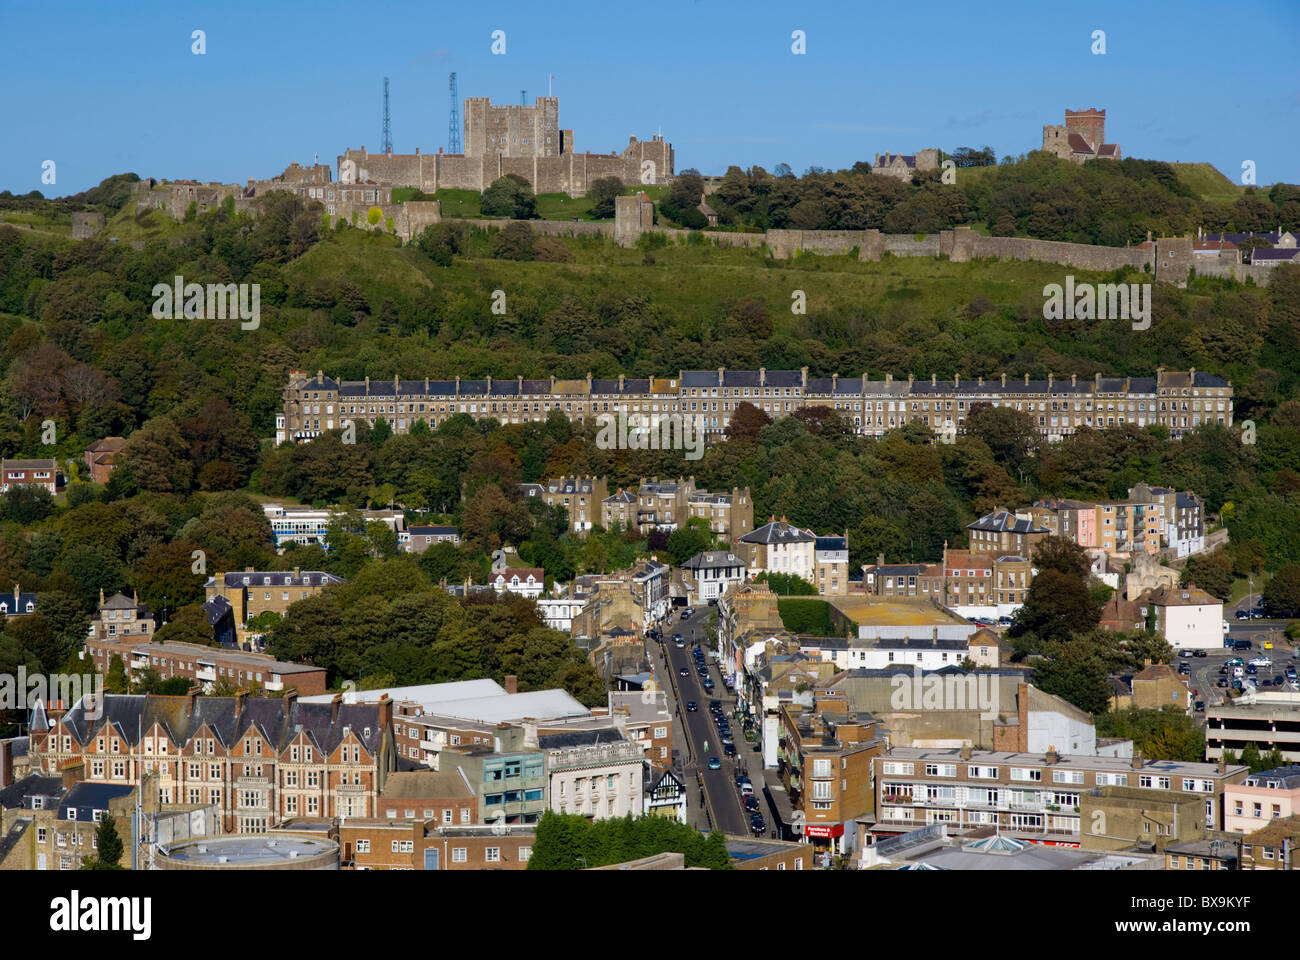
722	808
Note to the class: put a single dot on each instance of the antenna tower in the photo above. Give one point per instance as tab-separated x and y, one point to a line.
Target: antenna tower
387	138
453	121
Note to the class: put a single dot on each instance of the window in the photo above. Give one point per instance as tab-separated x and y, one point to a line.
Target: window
1026	773
492	854
458	855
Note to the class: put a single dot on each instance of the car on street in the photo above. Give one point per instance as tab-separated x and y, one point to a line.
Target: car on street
686	614
757	825
1200	706
692	706
684	672
715	763
708	684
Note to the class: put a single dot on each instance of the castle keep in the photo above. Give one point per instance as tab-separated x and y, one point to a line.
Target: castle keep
522	140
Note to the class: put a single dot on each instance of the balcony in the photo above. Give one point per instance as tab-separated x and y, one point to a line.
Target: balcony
205	671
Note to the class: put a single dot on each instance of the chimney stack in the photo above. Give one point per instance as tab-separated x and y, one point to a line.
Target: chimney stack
335	703
1137	760
192	696
1052	756
288	700
385	712
512	683
966	753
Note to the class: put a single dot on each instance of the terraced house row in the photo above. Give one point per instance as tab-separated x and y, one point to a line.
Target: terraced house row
1179	401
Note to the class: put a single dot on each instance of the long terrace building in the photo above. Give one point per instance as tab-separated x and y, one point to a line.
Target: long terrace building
1179	401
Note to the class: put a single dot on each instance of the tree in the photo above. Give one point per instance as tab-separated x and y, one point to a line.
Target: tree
513	242
1062	555
189	625
116	681
601	192
747	421
510	196
108	847
25	504
1281	597
1212	572
1010	434
1056	607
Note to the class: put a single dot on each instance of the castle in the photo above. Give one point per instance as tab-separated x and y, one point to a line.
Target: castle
1082	138
522	140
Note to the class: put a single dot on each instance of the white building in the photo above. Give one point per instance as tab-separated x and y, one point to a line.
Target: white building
664	795
310	525
597	773
558	612
780	547
1189	618
524	581
712	572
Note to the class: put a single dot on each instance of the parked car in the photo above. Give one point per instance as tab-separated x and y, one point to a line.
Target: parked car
1267	645
1184	653
1243	614
750	803
1243	645
729	749
1234	662
1199	653
708	684
1279	680
1223	682
1200	706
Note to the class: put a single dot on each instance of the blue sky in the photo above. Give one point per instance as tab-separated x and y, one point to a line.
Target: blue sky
103	88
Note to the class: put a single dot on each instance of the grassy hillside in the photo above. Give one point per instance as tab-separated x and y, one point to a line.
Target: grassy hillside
1207	182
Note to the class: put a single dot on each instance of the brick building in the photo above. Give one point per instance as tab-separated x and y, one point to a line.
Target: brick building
29	473
206	665
261	761
101	458
414	844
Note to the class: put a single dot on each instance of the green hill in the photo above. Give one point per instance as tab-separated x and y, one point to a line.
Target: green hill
1204	180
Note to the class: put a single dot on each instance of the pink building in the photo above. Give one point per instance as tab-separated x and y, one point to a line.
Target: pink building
1261	798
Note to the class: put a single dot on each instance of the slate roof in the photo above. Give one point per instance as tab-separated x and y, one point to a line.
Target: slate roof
713	558
278	578
1286	778
15	795
1003	521
434	531
130	714
578	738
778	531
87	797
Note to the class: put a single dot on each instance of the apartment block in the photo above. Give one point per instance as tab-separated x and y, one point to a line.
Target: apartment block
825	764
414	844
254	592
207	665
1037	797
